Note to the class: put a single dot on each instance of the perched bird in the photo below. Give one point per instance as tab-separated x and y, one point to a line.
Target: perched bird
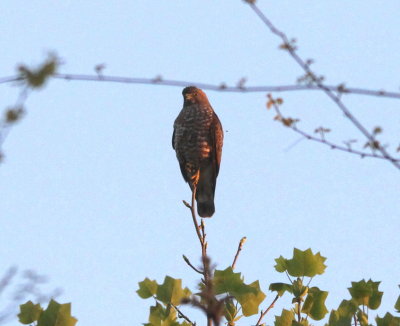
197	140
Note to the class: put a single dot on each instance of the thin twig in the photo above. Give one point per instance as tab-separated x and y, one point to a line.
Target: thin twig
182	315
202	238
5	125
340	89
7	278
190	264
223	87
287	44
330	144
239	249
290	280
192	210
262	315
9	79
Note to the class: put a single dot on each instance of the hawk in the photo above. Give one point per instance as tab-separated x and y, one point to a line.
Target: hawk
197	140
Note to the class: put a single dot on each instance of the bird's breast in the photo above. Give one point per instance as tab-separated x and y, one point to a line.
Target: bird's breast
192	133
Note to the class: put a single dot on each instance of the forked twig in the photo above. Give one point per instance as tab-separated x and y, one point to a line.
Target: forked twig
187	261
324	141
317	81
200	231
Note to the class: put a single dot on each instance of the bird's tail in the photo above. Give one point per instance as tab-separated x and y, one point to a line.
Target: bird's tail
205	208
205	192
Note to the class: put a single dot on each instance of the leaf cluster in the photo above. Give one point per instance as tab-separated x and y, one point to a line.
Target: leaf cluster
238	298
55	314
168	295
309	301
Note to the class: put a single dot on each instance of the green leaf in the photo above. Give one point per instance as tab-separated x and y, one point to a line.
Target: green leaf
281	265
299	290
250	300
147	288
185	323
160	316
248	295
314	306
366	293
171	291
57	315
344	314
29	312
231	312
362	318
303	322
387	320
281	288
285	319
347	308
226	281
303	263
397	304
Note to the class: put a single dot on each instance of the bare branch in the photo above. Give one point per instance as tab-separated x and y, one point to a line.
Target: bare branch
291	49
262	315
239	249
12	115
186	204
192	210
9	79
200	231
222	87
7	277
187	261
289	122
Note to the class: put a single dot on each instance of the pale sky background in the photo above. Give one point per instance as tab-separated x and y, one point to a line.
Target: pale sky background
91	190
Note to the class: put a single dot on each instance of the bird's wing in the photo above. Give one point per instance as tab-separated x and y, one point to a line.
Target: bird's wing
173	139
181	164
216	137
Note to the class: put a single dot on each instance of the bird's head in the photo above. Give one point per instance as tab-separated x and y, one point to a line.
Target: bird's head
192	95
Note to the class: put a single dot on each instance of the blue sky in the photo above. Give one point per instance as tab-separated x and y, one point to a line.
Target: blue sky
90	187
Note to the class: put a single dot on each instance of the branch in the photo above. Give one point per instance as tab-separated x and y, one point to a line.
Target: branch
13	114
192	210
222	87
9	79
200	231
288	45
290	123
239	249
190	264
181	315
262	315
